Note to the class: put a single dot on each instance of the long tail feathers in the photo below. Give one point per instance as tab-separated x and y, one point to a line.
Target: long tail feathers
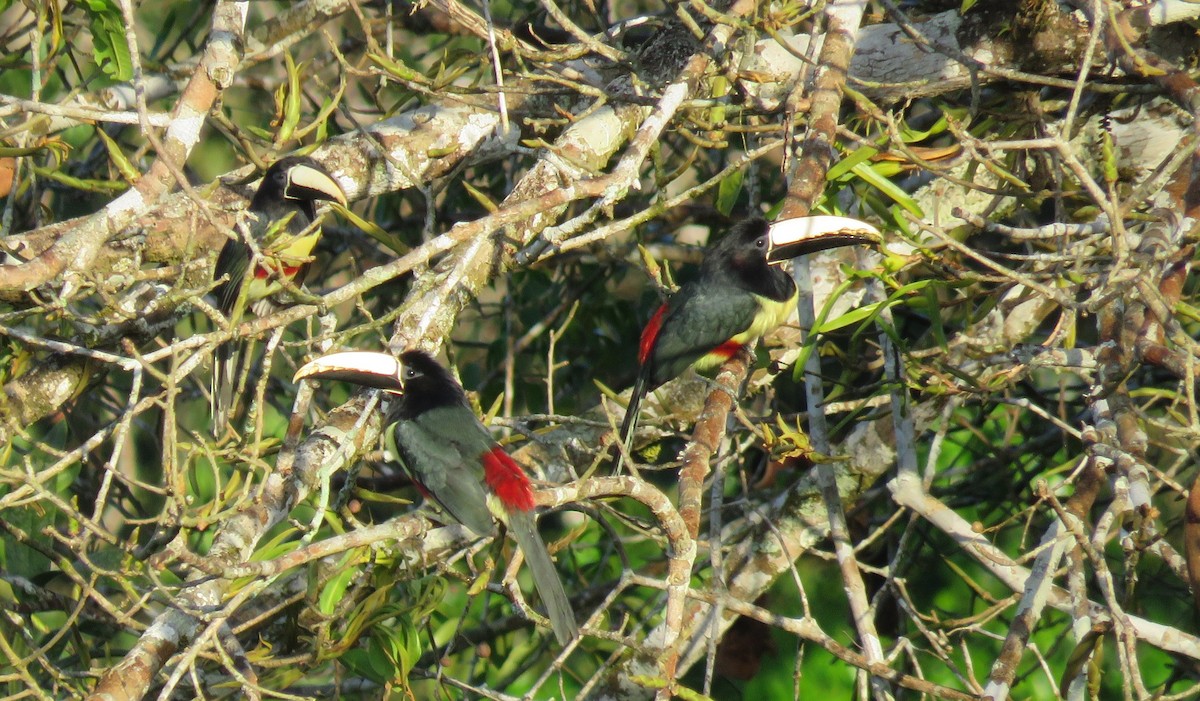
545	576
629	424
224	375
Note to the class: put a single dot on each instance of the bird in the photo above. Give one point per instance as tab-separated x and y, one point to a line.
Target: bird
453	459
740	294
284	229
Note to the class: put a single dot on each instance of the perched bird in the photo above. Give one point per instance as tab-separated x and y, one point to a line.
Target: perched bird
740	294
284	230
453	459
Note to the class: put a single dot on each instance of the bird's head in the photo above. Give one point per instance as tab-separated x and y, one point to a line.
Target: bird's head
416	377
299	179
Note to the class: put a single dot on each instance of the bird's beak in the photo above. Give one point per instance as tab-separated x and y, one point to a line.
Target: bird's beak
378	370
308	183
790	238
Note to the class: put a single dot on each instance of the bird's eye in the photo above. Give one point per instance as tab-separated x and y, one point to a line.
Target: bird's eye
409	373
760	241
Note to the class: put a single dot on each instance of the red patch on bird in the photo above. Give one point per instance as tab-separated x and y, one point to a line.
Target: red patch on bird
726	350
650	334
507	480
289	271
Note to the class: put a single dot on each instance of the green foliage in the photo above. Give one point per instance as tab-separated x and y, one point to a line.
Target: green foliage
110	48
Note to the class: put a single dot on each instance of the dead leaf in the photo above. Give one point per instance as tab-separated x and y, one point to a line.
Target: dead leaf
8	168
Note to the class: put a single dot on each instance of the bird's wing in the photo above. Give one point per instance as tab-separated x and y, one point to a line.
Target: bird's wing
233	261
442	449
696	324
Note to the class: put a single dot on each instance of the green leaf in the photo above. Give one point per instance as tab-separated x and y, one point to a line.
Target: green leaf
372	229
15	152
653	269
259	132
397	69
860	315
494	410
119	159
18	558
393	650
909	135
358	661
888	188
382	654
289	102
854	316
428	598
1109	159
480	197
280	544
862	154
482	578
380	497
728	191
408	649
85	184
369	611
108	39
320	123
335	589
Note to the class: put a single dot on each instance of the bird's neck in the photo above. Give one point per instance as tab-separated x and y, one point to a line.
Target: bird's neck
765	281
416	402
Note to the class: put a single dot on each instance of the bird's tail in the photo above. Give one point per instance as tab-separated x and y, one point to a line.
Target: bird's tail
630	422
224	375
545	577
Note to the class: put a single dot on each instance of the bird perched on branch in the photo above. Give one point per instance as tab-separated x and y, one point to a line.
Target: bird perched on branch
284	230
740	295
453	459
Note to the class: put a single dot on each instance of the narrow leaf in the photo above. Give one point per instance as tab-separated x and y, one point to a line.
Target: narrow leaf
119	159
335	589
728	191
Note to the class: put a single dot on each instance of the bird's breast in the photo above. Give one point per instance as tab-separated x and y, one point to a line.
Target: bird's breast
771	313
295	250
287	259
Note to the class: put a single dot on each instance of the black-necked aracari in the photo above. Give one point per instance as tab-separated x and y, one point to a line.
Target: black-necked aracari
740	294
285	229
453	459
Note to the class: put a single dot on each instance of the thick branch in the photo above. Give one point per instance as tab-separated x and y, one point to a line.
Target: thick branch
77	250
